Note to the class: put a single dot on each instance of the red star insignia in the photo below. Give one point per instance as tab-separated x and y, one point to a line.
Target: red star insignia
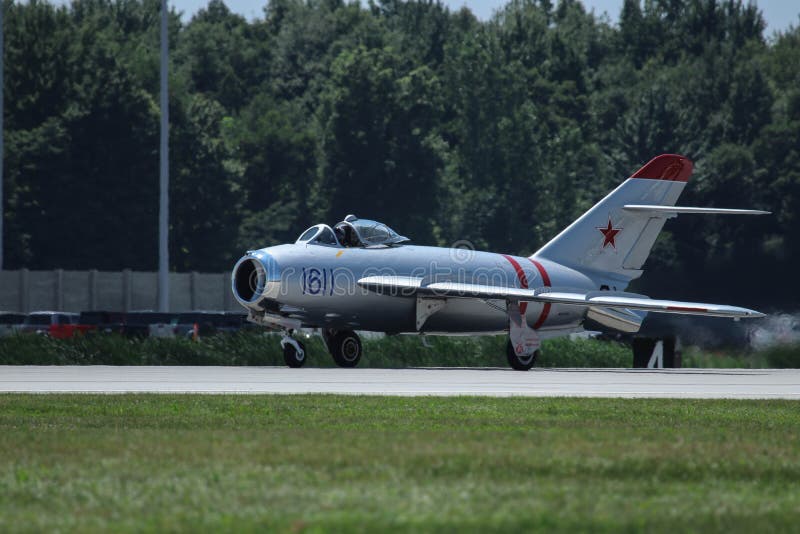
609	234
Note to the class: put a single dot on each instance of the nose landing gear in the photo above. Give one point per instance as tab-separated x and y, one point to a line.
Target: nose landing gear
294	352
344	346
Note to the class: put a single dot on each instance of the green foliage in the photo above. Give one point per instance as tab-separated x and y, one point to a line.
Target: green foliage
257	348
434	351
562	352
783	356
695	357
245	348
204	198
448	128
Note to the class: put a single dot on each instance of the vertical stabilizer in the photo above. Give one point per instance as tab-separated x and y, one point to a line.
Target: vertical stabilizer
610	243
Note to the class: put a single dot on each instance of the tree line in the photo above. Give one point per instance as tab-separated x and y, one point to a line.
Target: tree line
443	126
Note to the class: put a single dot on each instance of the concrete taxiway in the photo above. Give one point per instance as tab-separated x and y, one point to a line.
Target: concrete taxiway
673	383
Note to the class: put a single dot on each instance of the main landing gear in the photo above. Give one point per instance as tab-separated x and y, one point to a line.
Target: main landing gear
522	348
523	360
344	346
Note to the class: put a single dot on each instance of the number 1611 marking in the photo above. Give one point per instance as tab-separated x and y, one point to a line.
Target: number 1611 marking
317	281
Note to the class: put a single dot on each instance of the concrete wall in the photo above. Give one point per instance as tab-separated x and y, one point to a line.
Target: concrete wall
76	291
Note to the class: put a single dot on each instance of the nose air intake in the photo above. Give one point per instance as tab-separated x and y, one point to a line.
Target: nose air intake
252	278
248	280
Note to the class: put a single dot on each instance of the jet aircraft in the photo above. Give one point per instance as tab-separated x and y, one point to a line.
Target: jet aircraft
361	275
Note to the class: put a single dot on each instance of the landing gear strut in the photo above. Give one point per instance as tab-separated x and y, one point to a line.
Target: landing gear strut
344	346
522	348
294	352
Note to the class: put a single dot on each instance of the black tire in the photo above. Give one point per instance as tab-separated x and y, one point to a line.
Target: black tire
345	348
292	357
518	362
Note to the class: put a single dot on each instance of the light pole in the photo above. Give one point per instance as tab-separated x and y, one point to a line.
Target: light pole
163	211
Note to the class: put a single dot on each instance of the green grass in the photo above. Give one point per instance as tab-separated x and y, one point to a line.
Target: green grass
332	463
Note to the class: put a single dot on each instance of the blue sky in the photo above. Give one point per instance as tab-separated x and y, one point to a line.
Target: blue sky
779	14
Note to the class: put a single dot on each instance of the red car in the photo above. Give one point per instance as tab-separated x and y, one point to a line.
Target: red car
59	325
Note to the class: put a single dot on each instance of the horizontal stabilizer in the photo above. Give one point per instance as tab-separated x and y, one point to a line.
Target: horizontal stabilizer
621	319
686	209
409	286
644	303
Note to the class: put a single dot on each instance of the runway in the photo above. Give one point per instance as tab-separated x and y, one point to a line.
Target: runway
669	383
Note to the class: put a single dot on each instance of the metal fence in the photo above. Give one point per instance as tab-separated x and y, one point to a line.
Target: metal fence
76	291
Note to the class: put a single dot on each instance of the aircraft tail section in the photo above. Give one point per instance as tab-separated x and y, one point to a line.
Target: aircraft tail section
612	240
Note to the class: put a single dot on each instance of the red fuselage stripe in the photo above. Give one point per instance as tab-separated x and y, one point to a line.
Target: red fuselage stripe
546	280
542	272
523	280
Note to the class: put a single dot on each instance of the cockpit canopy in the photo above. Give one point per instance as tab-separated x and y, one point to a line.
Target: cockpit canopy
352	232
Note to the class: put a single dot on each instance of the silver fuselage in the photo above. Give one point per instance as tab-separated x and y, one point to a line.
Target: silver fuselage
317	284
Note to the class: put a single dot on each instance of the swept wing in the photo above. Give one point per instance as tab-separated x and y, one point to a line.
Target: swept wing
404	285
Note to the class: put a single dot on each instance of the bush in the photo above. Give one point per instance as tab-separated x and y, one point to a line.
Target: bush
261	348
433	351
783	356
563	352
257	348
717	359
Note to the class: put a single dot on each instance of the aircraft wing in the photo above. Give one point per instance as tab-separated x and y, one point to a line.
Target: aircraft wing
410	286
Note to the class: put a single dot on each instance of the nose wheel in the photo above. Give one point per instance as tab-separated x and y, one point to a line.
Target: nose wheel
294	352
344	346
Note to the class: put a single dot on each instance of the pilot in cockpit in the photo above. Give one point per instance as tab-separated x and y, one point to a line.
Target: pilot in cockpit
339	235
347	236
352	232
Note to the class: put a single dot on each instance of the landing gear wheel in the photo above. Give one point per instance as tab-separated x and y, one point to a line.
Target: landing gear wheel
292	356
345	347
520	362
